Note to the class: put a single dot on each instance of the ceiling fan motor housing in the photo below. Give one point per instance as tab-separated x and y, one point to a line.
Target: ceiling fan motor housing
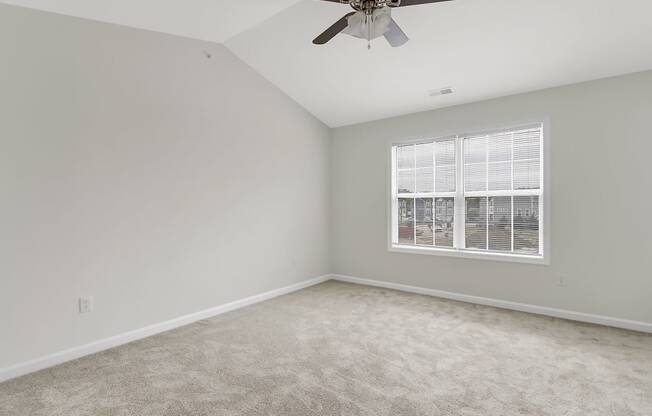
368	6
371	19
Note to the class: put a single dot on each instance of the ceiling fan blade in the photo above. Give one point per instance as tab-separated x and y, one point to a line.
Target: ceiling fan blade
395	35
403	3
336	28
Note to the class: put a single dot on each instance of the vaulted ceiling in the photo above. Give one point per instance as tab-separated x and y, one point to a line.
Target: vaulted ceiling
212	20
483	49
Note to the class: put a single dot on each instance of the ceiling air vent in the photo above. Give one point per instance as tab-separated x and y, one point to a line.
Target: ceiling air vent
441	91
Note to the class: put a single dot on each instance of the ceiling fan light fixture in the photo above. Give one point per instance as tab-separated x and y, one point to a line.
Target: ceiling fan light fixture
369	27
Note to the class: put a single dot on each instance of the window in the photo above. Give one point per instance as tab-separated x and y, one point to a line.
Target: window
475	195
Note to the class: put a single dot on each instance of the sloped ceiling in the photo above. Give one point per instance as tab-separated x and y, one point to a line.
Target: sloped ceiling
483	49
212	20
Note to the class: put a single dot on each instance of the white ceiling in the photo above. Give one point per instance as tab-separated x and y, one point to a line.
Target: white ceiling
212	20
482	48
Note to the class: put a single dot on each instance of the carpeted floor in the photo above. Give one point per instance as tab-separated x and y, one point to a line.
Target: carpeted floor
343	349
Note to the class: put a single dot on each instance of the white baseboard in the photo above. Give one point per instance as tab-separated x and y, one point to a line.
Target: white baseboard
104	344
522	307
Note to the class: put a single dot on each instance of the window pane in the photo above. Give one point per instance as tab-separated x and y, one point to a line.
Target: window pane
444	221
445	166
424	155
500	223
405	181
500	176
527	174
527	144
406	221
445	179
512	161
475	149
424	180
476	223
526	224
405	157
475	177
500	147
424	221
445	152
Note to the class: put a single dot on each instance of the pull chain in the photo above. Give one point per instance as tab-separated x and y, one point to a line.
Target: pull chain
369	21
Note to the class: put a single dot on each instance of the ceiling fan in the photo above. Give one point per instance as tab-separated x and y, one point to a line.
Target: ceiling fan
371	19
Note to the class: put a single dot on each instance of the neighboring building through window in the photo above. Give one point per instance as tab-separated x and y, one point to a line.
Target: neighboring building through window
481	193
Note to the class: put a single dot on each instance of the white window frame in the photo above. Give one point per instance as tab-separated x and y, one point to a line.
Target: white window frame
459	194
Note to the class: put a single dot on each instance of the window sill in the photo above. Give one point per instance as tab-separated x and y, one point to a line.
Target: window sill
469	254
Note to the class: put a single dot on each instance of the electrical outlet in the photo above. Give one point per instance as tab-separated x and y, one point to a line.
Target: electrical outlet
85	304
561	280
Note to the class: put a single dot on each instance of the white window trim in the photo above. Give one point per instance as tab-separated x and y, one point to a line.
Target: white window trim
545	203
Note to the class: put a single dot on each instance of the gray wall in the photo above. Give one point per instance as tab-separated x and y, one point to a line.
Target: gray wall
134	169
601	197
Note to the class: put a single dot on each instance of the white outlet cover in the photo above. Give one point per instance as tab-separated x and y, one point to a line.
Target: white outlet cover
85	304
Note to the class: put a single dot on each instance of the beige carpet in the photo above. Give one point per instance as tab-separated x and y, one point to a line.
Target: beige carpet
342	349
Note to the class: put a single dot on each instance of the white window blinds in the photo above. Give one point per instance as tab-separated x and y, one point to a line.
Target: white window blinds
499	203
426	182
